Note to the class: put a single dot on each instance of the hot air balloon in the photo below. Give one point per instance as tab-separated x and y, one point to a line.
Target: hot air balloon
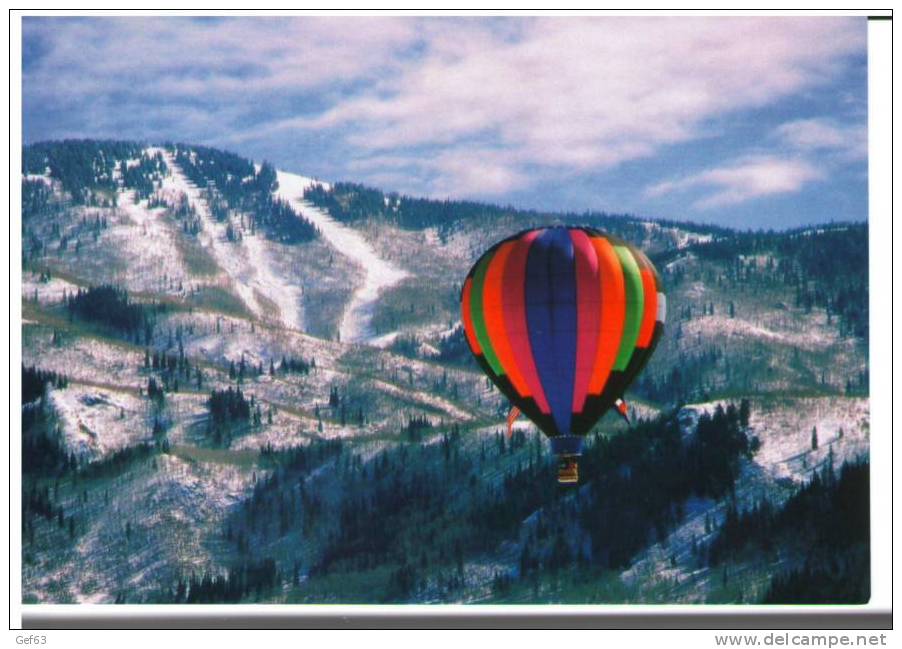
562	319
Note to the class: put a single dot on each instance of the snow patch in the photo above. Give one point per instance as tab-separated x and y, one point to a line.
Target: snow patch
51	291
379	274
714	325
152	253
38	177
424	398
96	422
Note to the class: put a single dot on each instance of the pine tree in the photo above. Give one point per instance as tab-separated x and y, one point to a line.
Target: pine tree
744	412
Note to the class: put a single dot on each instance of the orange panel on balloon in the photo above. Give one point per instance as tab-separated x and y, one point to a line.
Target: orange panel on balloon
613	308
651	308
493	312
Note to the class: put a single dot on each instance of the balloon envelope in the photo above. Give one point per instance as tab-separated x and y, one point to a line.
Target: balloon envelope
562	319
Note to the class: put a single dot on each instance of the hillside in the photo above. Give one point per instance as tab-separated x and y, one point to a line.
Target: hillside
249	385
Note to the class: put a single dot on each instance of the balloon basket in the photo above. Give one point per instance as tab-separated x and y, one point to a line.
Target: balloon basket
568	470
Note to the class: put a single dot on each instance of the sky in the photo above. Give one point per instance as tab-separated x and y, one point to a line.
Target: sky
748	122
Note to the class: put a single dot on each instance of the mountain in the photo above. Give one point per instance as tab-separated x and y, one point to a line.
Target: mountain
243	384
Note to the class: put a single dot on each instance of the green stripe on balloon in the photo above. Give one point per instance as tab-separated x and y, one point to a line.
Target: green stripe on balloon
478	315
635	304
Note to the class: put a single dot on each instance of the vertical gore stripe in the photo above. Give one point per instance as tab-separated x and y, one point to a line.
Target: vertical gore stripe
514	303
476	308
651	308
493	312
588	314
612	309
466	317
551	317
634	306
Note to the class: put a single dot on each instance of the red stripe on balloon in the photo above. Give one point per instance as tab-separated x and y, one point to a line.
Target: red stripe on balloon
651	308
588	315
493	314
514	303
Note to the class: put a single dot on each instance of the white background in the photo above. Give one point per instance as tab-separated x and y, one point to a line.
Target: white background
882	238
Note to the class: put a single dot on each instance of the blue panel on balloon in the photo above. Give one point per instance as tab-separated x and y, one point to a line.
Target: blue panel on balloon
551	317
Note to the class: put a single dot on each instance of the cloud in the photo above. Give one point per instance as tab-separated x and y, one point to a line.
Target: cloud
231	70
184	56
813	148
589	93
467	106
824	134
742	180
473	171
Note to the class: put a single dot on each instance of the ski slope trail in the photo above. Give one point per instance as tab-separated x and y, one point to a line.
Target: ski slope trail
246	262
379	274
155	264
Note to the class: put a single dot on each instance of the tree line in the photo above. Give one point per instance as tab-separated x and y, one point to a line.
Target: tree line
241	187
35	380
351	202
243	580
83	167
826	267
110	306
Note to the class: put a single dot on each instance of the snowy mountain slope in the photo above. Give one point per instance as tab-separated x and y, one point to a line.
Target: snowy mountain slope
391	388
152	250
247	263
135	531
379	274
127	243
670	570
